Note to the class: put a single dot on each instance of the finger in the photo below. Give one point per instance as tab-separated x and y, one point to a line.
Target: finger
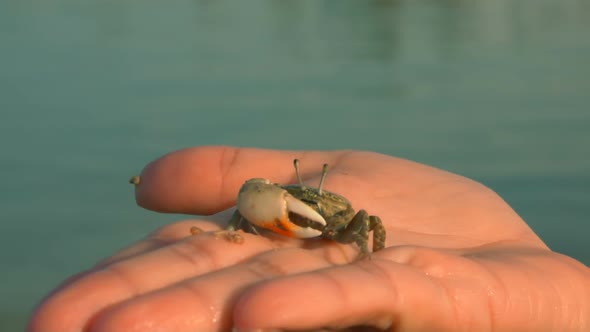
375	292
74	304
161	237
204	303
206	180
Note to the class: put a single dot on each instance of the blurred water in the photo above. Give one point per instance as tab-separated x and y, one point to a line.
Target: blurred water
92	90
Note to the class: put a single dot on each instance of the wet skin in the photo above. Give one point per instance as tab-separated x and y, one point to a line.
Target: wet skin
458	258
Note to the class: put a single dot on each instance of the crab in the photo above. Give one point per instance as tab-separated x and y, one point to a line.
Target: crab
296	210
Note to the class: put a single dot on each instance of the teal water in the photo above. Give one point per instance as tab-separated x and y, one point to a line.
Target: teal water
90	91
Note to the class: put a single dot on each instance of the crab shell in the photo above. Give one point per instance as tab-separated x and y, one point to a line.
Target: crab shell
267	205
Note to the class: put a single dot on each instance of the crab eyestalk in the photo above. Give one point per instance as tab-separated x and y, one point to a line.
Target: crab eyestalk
324	173
296	165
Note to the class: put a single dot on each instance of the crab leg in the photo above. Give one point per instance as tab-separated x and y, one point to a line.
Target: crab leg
235	222
379	235
356	231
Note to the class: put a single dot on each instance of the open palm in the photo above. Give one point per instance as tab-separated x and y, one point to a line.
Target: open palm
457	257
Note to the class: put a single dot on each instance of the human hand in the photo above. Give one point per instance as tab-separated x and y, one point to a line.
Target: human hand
457	257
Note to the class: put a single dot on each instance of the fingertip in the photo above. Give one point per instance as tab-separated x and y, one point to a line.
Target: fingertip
47	317
125	317
251	308
174	308
64	309
280	303
183	181
336	297
206	180
122	317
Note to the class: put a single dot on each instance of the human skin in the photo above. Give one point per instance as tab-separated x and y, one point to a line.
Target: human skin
457	257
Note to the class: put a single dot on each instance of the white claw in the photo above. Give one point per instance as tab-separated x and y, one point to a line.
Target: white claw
267	205
260	201
296	206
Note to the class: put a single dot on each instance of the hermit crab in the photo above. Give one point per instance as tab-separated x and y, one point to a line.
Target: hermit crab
299	211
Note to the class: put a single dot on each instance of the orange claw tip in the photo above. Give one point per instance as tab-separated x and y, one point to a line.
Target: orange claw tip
278	226
285	227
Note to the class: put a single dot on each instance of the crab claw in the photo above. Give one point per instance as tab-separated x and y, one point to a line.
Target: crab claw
267	205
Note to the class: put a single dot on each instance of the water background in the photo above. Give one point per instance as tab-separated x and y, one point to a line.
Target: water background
90	91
